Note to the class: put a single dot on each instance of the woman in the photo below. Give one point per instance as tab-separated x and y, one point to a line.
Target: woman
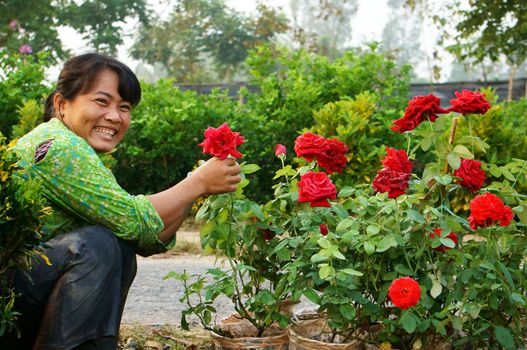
96	226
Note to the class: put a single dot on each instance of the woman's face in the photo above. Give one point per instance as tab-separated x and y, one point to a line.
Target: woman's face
99	116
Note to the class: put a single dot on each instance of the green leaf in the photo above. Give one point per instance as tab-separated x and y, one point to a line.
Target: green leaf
386	243
315	258
415	216
372	229
338	254
409	322
348	311
344	225
352	272
444	180
249	168
326	272
463	152
454	160
346	192
507	174
504	337
436	289
312	295
369	248
426	142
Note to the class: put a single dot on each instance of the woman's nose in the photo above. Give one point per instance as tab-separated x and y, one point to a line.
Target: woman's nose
113	115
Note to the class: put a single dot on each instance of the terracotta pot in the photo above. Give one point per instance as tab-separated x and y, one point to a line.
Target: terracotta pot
310	335
244	336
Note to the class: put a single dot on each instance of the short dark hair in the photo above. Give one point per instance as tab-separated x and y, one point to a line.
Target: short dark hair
80	73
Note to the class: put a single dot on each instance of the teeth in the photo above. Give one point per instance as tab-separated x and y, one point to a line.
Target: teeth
104	131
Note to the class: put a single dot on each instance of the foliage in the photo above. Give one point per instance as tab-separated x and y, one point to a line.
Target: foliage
161	143
37	23
198	32
21	79
483	30
355	123
30	115
21	208
292	85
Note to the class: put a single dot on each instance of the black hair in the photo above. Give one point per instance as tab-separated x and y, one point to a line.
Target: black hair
80	73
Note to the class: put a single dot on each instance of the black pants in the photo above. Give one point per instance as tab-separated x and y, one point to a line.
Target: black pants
78	301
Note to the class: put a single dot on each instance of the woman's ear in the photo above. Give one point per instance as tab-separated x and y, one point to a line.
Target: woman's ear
58	103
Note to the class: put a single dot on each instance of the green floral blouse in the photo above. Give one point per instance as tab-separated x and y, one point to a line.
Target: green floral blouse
82	191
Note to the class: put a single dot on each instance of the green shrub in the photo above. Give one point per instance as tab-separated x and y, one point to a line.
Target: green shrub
21	207
30	115
161	144
21	79
355	123
294	84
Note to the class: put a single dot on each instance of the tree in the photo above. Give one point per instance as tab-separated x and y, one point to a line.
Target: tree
35	23
323	26
485	29
402	35
200	32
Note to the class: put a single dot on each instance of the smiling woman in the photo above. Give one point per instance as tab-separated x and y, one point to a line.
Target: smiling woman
96	227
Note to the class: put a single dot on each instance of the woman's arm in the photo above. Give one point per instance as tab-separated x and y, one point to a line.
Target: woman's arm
213	177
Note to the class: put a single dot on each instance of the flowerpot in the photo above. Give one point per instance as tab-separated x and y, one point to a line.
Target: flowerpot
244	336
312	335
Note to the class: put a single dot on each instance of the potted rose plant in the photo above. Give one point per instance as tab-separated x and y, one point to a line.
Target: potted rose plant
402	268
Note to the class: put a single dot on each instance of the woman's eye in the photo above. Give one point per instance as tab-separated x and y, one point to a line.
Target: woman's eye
101	101
126	108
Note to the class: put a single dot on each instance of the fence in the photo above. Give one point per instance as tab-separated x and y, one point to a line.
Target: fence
444	91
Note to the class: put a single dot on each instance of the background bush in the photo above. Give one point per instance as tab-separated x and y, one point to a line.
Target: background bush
21	207
21	79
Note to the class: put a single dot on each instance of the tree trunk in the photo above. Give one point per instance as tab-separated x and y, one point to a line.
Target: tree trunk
512	74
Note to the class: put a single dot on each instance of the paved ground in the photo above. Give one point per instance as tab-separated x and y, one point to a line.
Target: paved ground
152	300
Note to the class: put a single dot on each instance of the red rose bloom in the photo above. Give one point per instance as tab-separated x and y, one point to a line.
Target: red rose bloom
487	209
419	109
310	145
316	188
471	174
333	157
324	229
397	159
279	150
391	181
442	248
469	102
221	142
404	292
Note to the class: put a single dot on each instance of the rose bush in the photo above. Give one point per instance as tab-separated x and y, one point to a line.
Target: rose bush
390	262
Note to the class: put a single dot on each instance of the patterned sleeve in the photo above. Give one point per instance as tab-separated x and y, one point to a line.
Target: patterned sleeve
75	179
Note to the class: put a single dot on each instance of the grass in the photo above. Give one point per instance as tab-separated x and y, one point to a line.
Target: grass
143	337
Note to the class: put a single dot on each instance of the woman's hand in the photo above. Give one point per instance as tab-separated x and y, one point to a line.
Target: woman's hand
217	176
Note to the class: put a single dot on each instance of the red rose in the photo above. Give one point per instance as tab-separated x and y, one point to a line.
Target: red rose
324	229
391	181
333	157
279	150
442	248
471	174
316	188
419	109
310	145
487	209
397	159
404	292
469	102
221	142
